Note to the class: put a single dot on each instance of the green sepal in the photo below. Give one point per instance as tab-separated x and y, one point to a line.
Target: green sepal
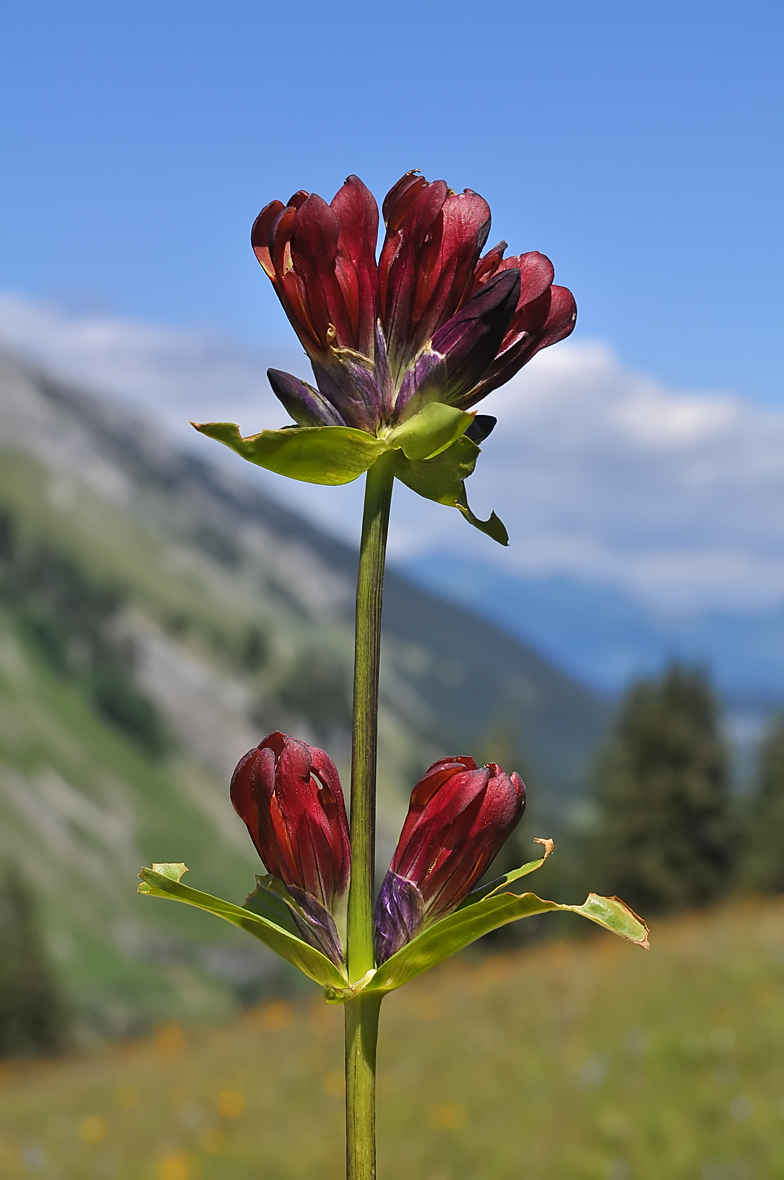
442	478
430	431
262	919
269	904
312	454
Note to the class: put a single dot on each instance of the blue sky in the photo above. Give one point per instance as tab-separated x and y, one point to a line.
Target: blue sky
638	145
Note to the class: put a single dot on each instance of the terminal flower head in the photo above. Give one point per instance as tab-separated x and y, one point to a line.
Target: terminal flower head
459	816
433	319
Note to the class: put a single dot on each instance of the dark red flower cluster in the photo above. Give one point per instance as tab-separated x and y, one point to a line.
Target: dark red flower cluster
433	320
290	797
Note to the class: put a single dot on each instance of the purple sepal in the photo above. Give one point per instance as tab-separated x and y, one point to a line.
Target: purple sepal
400	911
315	924
304	403
384	382
424	382
348	382
470	340
460	353
481	428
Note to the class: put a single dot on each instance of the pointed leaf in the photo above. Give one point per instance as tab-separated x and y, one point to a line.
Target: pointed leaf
441	478
429	432
494	886
164	881
313	454
493	527
463	927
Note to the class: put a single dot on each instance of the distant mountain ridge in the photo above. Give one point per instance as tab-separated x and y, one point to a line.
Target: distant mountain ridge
606	638
236	616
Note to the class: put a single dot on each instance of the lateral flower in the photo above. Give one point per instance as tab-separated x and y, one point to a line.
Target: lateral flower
433	320
459	816
289	796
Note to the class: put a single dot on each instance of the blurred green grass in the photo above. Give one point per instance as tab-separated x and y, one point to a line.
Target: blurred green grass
575	1059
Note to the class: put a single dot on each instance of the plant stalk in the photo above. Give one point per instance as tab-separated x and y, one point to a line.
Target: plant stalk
362	1014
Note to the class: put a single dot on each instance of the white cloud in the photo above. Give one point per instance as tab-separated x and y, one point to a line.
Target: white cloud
178	374
598	472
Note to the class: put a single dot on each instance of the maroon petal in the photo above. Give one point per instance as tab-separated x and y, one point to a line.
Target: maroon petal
356	269
549	319
536	274
489	263
426	270
314	246
449	261
399	264
260	235
400	198
289	795
459	817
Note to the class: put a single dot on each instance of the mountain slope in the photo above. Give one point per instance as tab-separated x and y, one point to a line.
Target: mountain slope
605	637
223	615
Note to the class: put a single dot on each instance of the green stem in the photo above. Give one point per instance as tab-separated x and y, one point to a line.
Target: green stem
362	1013
361	1037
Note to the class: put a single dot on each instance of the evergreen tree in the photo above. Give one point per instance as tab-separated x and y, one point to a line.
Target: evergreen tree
31	1014
763	867
664	833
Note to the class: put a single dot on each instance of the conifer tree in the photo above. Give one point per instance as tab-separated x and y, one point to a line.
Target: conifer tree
763	867
31	1013
664	834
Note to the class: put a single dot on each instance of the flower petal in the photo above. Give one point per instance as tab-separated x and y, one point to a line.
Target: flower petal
546	321
356	269
289	795
459	816
314	246
426	270
462	351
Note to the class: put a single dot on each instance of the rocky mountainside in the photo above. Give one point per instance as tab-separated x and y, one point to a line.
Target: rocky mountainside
157	617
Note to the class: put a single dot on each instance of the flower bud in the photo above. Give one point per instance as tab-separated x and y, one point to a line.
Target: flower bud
289	795
460	815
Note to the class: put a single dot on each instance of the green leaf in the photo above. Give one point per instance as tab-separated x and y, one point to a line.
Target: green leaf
313	454
499	882
463	927
493	526
164	881
430	431
442	478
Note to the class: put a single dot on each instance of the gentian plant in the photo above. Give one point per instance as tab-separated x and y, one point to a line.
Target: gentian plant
402	348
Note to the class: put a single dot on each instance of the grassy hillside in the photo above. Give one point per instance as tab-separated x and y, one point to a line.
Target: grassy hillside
582	1060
